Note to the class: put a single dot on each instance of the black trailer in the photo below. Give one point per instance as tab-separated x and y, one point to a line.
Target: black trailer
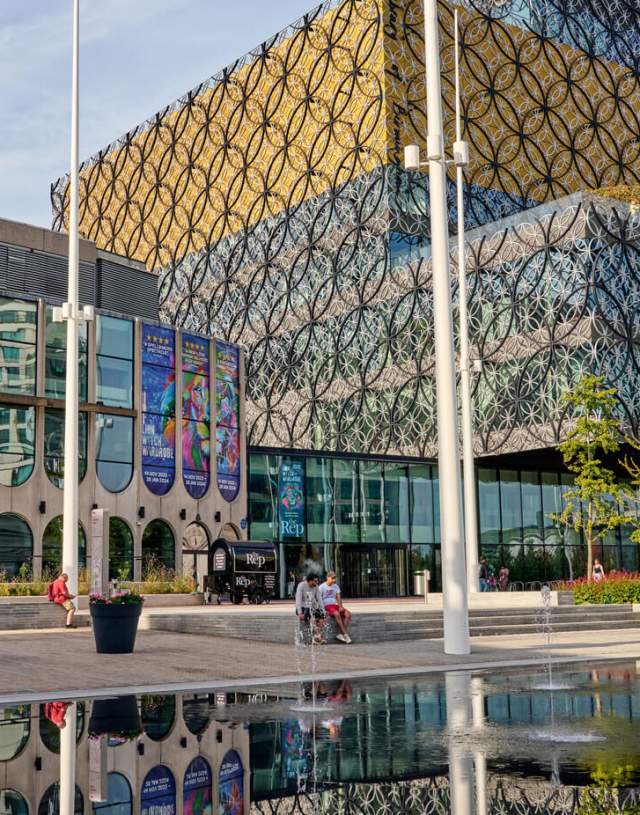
241	569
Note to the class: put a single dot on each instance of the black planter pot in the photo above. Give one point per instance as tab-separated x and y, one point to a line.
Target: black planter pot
115	626
119	715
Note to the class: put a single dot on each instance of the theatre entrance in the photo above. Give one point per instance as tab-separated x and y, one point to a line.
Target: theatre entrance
374	571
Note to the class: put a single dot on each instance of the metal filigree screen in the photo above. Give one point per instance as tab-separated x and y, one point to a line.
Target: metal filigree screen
272	204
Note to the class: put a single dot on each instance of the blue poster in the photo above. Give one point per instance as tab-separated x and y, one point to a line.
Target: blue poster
196	795
231	785
196	415
158	346
291	498
158	793
158	390
227	389
159	408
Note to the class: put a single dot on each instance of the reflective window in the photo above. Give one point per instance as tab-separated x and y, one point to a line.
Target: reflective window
488	506
532	524
118	797
421	504
54	446
319	486
372	497
18	335
50	802
511	507
15	727
346	504
55	365
157	714
263	496
52	547
114	451
195	711
120	550
114	361
17	444
551	505
13	803
396	503
16	544
158	545
196	414
52	716
158	408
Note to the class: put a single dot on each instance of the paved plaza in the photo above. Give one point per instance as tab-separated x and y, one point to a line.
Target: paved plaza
65	663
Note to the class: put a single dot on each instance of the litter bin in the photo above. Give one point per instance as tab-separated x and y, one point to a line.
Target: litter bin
421	583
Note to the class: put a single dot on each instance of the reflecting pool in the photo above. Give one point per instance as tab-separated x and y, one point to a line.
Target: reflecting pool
521	741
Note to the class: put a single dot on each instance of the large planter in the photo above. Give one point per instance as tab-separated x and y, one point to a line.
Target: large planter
118	715
115	626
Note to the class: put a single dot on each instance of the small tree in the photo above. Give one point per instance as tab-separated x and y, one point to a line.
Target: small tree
592	504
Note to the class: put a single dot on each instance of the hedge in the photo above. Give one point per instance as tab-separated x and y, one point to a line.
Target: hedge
618	587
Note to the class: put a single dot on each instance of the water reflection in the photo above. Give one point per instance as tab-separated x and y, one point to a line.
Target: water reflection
455	744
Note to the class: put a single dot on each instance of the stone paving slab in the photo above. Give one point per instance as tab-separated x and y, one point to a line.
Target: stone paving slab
65	662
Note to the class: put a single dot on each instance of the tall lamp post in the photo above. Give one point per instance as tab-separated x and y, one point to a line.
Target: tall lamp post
72	314
454	588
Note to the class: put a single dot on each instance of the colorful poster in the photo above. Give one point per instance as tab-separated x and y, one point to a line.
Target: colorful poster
197	798
228	420
231	785
159	408
158	793
291	498
196	415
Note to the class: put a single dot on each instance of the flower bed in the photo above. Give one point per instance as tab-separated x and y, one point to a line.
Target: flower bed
618	587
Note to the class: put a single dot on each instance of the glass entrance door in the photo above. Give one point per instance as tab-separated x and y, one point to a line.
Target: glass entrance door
376	571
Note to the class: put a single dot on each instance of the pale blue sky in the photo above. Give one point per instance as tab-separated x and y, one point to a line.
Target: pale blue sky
136	57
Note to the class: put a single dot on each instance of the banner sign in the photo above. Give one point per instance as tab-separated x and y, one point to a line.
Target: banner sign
196	414
158	408
291	498
227	420
196	796
231	786
158	793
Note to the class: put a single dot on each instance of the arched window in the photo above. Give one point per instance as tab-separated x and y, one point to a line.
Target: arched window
120	550
50	801
53	712
17	444
15	727
114	451
18	335
158	544
157	713
13	803
195	711
118	797
52	546
54	446
16	544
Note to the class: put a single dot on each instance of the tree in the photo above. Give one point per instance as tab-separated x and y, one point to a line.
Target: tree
592	504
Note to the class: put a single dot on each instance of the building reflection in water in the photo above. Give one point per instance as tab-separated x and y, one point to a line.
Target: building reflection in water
459	744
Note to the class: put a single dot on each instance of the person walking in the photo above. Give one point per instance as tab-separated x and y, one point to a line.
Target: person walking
332	602
483	572
309	607
598	574
59	594
503	578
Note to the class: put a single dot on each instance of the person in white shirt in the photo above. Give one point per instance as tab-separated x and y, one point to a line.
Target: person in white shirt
332	602
309	606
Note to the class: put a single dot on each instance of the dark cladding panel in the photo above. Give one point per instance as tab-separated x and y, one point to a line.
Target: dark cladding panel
126	290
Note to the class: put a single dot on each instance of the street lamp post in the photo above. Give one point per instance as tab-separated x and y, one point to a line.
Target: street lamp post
454	588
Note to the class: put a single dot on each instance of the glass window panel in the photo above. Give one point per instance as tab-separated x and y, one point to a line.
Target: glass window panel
52	547
319	500
17	445
18	320
531	504
120	550
114	451
511	507
114	337
115	382
263	496
118	797
372	526
421	490
630	558
17	368
396	503
50	801
551	505
157	714
56	358
346	504
15	727
571	537
113	476
54	446
50	735
488	507
16	544
158	546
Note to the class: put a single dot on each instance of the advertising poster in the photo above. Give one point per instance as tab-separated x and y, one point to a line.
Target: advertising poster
195	354
291	498
227	389
197	798
158	793
196	415
231	785
159	408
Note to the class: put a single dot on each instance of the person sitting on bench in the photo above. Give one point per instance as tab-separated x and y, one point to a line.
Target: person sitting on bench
332	601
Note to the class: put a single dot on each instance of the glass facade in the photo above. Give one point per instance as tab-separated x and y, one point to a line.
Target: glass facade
54	445
120	550
52	547
114	361
158	544
55	363
18	336
17	444
114	451
16	545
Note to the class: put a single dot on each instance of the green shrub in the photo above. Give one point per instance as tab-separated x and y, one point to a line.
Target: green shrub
608	591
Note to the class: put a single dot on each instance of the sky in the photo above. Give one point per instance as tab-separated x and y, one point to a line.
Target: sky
136	56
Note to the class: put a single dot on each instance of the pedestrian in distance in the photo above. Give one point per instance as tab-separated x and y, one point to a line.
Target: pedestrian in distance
598	574
503	578
332	602
59	594
483	573
309	607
